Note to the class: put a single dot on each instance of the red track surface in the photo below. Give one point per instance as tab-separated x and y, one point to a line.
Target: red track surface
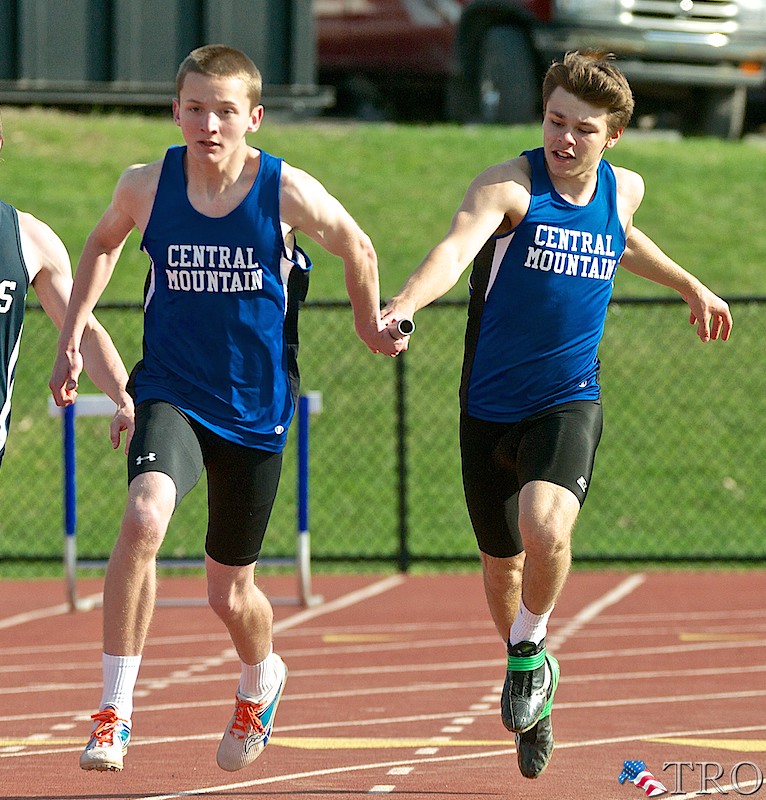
394	690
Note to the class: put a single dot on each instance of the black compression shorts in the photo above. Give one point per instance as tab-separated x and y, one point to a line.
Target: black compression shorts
241	481
557	445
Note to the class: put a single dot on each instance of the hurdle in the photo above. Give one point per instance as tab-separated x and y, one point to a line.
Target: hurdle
99	405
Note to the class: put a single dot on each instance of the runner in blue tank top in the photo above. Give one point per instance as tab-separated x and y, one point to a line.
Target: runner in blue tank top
546	232
215	387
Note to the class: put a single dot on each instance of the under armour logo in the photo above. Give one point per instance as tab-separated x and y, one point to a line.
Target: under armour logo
581	482
148	457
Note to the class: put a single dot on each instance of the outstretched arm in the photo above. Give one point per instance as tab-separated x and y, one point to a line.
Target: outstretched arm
306	205
51	273
707	311
498	194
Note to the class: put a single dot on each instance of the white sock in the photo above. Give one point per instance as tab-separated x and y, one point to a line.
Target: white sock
257	681
529	627
120	676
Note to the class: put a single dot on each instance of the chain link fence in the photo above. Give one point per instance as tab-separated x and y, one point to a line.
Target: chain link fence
677	476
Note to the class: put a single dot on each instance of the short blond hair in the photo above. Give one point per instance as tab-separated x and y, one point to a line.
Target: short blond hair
222	61
593	77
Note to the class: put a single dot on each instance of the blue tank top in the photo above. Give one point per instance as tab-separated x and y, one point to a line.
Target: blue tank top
216	300
539	300
14	284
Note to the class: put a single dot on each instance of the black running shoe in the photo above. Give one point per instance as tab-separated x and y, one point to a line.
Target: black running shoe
527	682
534	747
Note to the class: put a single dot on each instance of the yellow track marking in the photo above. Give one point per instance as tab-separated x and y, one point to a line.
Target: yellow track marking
719	637
348	743
306	742
36	742
739	745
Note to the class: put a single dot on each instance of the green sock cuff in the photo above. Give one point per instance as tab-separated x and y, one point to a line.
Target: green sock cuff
526	663
555	673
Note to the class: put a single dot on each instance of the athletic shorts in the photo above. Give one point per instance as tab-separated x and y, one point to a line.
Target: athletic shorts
557	445
241	481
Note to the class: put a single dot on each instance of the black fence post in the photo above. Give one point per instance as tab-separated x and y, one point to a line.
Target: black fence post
401	457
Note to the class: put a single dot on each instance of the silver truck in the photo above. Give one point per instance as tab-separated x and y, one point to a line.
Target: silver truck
700	60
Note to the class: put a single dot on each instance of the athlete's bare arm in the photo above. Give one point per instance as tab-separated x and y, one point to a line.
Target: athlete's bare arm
130	208
305	205
707	311
643	257
630	193
50	271
496	200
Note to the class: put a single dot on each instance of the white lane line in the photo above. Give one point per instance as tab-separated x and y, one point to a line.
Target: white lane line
618	621
651	623
738	787
593	610
319	773
606	626
296	619
42	613
350	599
491	663
367	649
637	737
487	684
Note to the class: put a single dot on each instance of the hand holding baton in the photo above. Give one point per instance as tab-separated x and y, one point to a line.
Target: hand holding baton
400	328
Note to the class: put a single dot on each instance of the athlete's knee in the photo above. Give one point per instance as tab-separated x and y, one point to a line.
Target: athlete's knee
547	514
150	506
232	594
225	601
502	573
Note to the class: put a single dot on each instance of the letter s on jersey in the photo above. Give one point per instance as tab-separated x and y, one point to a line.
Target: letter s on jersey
6	287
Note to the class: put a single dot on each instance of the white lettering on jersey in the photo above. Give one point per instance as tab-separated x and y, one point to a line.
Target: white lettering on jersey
575	253
553	238
5	297
213	269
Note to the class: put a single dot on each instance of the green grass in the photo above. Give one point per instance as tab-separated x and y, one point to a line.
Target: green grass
681	448
704	201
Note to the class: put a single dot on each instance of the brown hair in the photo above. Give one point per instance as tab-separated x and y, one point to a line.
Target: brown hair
222	61
593	77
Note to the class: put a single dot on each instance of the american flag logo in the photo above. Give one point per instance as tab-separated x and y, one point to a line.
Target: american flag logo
636	772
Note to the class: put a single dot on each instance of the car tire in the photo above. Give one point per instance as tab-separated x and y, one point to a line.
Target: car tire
722	113
508	84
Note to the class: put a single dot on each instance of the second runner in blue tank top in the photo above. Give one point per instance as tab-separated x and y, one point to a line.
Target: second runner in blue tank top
542	313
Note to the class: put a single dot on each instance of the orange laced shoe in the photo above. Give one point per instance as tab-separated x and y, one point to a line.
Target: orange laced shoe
108	742
249	729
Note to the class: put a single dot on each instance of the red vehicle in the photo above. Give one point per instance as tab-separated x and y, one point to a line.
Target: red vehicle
484	59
